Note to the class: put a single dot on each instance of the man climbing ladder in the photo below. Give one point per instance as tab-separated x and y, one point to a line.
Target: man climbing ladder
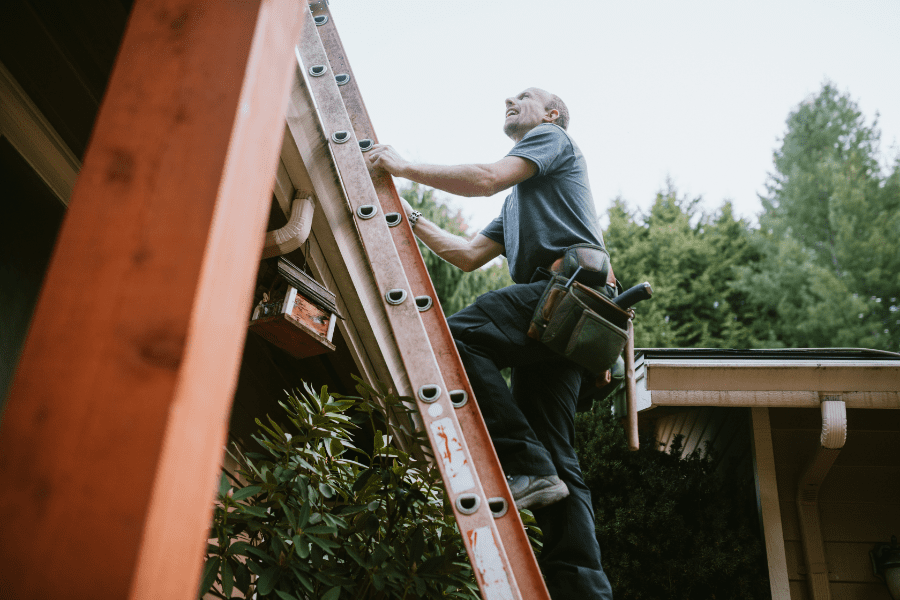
549	210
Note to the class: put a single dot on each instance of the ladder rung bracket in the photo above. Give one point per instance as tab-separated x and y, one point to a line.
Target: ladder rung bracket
515	539
480	533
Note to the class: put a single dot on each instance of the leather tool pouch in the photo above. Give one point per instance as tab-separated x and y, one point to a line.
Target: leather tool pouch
581	324
593	260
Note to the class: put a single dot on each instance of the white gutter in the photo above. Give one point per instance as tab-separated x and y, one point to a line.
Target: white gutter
291	236
833	437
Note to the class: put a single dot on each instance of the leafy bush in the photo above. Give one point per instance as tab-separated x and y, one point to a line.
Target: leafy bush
314	516
669	527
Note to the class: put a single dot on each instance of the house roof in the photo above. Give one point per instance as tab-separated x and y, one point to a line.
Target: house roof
785	354
773	377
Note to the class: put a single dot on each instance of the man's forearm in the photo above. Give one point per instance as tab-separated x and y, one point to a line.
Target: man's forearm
452	248
464	254
461	180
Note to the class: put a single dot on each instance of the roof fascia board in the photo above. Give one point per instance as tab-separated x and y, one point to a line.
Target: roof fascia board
764	383
362	340
284	188
769	364
797	399
35	139
820	376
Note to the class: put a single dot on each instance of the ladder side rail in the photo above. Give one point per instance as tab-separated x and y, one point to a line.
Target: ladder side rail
512	530
326	253
336	252
337	233
479	531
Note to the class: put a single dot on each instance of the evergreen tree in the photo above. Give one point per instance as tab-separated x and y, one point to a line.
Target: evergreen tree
800	303
689	258
830	232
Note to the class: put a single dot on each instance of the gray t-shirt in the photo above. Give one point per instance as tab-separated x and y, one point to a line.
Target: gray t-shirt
549	212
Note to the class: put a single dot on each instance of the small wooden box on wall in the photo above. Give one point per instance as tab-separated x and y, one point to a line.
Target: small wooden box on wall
301	316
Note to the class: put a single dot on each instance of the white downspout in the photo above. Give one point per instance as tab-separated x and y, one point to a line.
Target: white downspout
834	435
291	236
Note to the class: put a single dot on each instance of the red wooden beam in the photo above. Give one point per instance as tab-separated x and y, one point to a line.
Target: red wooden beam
117	416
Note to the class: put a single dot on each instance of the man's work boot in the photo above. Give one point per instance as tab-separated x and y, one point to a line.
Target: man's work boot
536	491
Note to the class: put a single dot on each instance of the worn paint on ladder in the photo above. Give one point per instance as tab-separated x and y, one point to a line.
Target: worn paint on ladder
447	444
494	582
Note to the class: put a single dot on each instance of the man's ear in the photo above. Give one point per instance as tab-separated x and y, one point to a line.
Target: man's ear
551	116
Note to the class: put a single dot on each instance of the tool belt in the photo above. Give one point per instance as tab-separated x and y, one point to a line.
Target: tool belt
577	321
590	261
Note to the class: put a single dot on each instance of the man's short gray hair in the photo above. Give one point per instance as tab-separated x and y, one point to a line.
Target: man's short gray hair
556	103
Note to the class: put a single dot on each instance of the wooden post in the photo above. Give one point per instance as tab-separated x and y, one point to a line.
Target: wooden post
630	390
117	416
769	505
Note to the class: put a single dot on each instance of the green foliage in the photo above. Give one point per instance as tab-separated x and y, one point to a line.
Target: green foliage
689	258
827	140
313	516
830	235
455	289
823	269
669	526
800	302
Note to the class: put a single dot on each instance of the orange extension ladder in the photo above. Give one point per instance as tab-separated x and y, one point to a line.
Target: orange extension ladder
492	530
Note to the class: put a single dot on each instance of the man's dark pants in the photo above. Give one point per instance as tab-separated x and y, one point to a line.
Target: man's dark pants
533	428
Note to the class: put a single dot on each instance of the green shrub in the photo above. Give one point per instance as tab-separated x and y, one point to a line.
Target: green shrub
314	516
669	527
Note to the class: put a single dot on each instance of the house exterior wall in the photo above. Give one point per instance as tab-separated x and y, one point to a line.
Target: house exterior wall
859	502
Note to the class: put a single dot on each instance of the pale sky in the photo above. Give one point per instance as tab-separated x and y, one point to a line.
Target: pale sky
693	91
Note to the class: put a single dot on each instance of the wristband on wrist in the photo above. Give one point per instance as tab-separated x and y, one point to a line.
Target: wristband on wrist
414	218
